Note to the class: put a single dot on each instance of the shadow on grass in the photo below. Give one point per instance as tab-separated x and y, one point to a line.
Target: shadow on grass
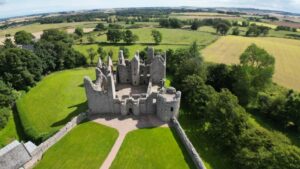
79	109
293	36
184	151
19	127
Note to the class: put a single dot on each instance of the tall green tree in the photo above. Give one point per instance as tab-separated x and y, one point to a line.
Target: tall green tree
79	32
157	36
114	35
23	38
101	52
129	37
92	53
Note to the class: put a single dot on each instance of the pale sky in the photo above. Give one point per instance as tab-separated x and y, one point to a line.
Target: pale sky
10	8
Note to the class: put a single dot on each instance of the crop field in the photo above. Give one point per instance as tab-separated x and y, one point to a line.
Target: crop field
172	38
203	15
286	52
152	148
53	102
85	147
40	27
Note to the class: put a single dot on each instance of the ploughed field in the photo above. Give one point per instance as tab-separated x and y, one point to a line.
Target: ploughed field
53	102
85	147
286	52
152	148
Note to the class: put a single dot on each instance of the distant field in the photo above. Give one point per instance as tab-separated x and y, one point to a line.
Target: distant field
203	15
286	52
154	148
40	27
172	38
53	102
85	147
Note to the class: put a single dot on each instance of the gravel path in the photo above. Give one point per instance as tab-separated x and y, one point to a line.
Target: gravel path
125	124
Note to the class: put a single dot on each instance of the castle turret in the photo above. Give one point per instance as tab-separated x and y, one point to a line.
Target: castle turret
135	70
121	58
99	64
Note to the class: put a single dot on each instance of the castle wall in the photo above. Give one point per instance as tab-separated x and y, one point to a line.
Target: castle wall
157	70
151	103
124	74
98	101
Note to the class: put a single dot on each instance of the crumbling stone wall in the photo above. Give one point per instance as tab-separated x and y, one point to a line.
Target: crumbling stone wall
43	147
188	145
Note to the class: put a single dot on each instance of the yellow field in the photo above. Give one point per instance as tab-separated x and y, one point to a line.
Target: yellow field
286	52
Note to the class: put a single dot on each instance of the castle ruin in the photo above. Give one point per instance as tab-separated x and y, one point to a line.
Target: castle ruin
136	87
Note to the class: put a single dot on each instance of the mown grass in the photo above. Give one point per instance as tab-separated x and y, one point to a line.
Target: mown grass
53	102
9	133
286	52
85	147
152	148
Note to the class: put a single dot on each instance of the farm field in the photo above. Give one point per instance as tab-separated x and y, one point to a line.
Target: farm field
40	27
152	148
203	15
172	38
53	102
286	52
85	147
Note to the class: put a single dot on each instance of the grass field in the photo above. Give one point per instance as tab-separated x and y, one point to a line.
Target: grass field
152	148
53	102
172	38
85	147
9	133
286	52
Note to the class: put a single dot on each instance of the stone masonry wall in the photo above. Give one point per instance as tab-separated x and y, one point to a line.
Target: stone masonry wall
188	145
37	154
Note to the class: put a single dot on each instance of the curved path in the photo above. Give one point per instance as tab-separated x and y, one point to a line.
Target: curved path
125	124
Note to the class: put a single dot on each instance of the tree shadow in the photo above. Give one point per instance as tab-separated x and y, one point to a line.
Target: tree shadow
293	36
184	151
79	109
19	127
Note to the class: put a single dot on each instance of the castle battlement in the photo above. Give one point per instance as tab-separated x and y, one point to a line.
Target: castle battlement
137	87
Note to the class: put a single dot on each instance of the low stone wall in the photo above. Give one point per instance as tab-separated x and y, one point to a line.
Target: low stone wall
37	154
188	145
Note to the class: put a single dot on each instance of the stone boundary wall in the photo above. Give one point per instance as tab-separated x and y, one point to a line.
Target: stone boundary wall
37	154
188	145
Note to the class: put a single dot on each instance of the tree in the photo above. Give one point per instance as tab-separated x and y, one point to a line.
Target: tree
222	28
110	53
54	35
7	97
91	39
235	31
157	36
101	52
23	38
114	35
20	68
4	116
100	27
129	37
219	76
79	32
195	25
8	44
92	54
125	51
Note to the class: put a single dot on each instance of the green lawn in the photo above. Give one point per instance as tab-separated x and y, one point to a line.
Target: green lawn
152	148
53	102
85	147
9	133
